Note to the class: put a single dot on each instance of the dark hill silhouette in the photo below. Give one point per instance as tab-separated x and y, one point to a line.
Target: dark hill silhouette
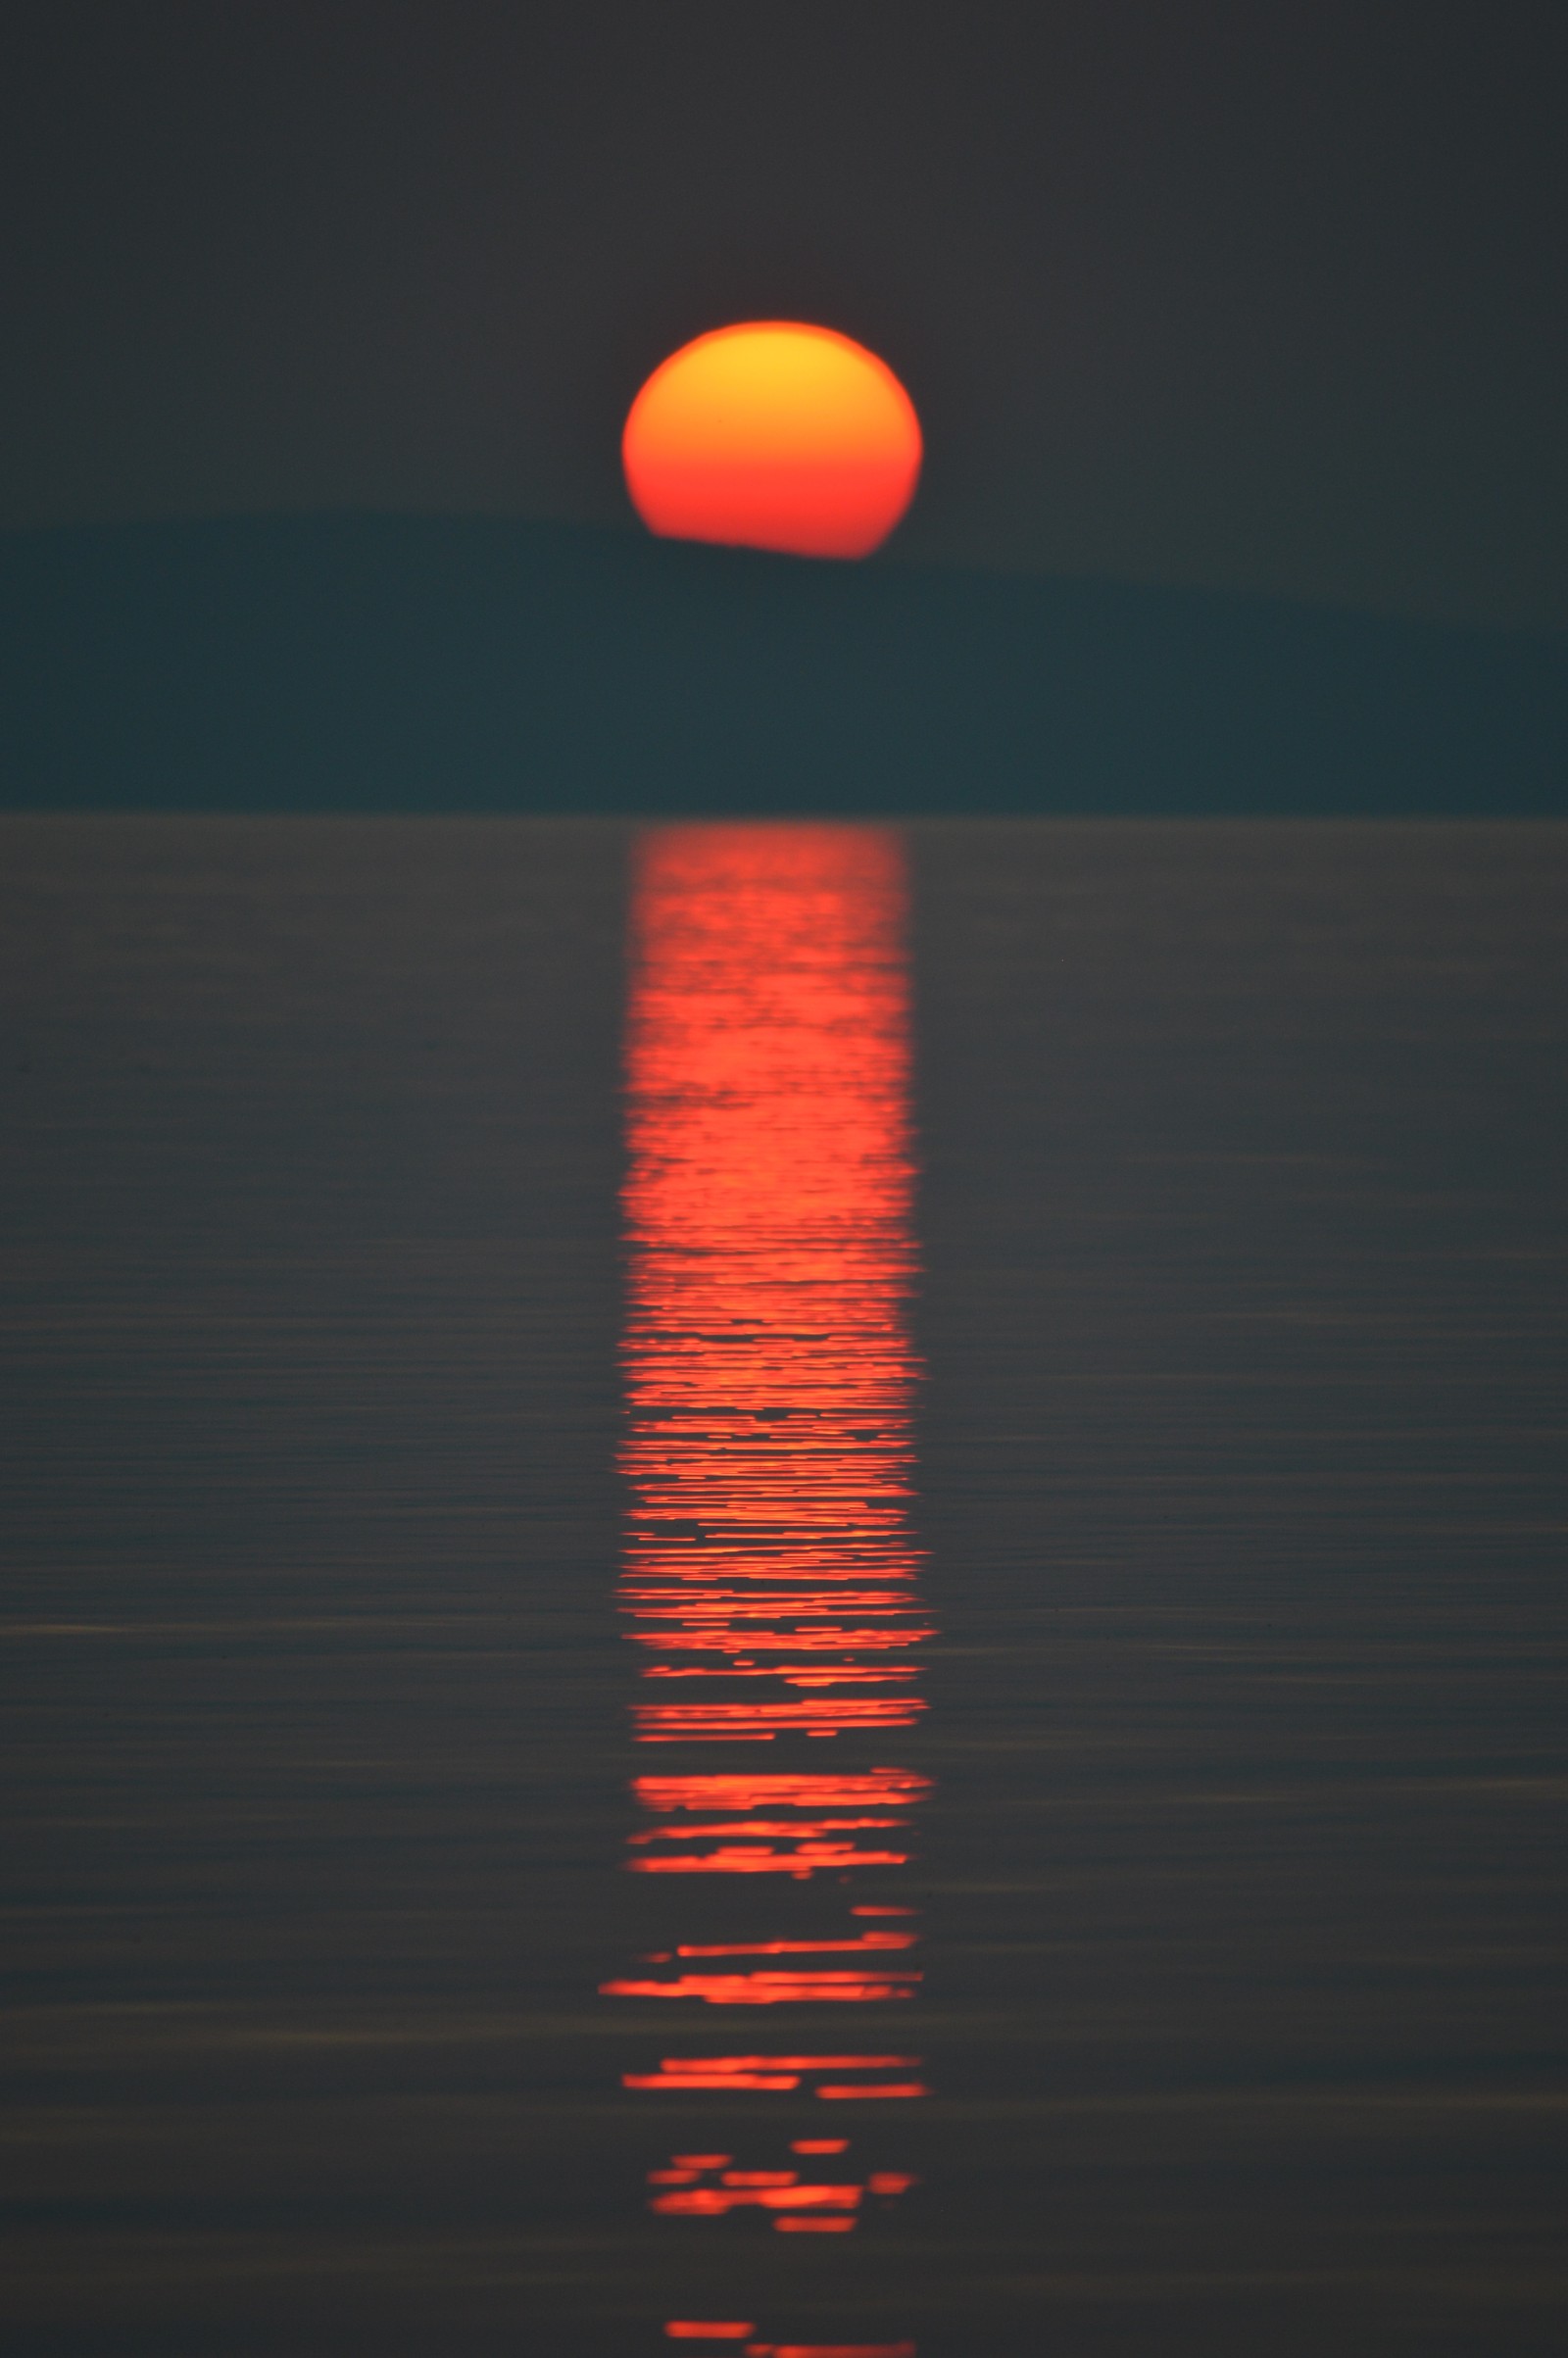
360	662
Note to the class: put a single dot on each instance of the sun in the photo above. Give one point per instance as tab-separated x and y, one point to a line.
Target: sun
773	435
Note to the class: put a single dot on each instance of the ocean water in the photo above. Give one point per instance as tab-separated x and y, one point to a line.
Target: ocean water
788	1588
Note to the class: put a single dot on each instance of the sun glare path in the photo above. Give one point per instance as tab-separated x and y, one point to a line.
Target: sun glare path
769	1575
769	1368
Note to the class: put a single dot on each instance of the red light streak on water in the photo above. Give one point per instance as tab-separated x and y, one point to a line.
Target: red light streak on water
811	1858
848	1677
768	1369
796	1949
768	1788
792	2063
780	2191
761	1825
829	2350
783	2073
729	2081
714	2202
829	1637
719	1604
772	1988
760	1723
770	1567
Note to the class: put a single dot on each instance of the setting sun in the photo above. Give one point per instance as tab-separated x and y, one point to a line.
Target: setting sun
773	435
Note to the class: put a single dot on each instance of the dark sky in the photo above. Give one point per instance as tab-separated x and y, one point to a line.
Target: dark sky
1260	293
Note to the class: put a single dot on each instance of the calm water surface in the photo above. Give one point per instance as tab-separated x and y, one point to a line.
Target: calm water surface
788	1588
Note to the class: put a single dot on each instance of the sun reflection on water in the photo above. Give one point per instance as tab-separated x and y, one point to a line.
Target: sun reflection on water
770	1577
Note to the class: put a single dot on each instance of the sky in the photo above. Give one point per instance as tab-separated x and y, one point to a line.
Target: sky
1253	294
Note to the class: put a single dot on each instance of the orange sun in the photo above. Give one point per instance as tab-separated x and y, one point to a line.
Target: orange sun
773	435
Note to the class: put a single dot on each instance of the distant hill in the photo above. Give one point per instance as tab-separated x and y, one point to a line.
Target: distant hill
361	662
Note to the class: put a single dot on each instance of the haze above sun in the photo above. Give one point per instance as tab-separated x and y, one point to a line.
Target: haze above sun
772	434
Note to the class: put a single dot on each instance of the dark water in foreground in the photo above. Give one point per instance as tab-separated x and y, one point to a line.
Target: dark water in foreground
1046	1341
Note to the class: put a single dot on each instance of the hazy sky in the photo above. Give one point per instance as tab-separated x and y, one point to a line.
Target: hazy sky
1267	293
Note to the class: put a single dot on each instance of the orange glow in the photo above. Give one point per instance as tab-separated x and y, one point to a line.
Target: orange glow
773	435
685	2328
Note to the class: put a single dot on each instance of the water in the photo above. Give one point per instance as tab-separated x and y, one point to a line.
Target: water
986	1401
